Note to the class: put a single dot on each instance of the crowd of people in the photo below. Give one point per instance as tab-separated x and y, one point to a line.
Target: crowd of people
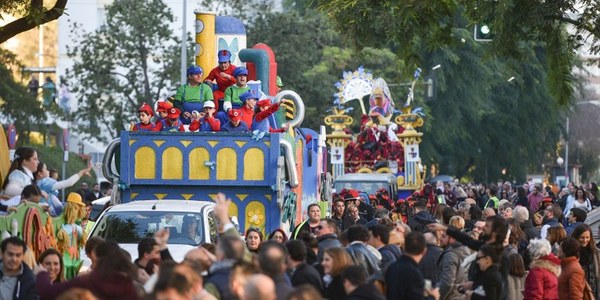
222	102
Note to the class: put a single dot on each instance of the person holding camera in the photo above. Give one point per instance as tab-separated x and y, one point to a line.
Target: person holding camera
205	120
488	283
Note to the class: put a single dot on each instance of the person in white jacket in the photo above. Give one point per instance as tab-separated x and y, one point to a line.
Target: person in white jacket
51	186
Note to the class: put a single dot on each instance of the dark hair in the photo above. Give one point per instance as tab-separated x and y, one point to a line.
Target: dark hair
311	206
304	292
580	214
357	233
31	190
285	238
227	245
40	168
92	243
491	251
381	231
339	199
516	233
556	234
112	260
499	227
493	189
145	246
414	243
60	276
254	229
516	266
168	278
272	264
296	250
333	224
447	214
15	241
356	275
570	247
475	212
21	154
579	230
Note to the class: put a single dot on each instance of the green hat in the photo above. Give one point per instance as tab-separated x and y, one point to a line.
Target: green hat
279	82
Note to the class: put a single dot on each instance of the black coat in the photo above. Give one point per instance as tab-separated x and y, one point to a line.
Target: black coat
25	288
404	280
365	292
335	289
490	282
306	274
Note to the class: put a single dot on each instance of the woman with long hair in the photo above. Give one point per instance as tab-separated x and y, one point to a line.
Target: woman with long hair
522	197
335	260
589	256
581	200
516	276
52	261
21	171
253	239
555	236
278	235
112	278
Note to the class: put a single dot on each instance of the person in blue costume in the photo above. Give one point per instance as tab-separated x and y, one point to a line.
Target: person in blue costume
192	95
235	123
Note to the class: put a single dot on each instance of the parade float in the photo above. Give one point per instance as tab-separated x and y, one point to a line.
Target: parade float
387	141
270	177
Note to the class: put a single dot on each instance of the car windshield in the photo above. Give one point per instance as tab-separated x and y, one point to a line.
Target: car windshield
368	187
130	227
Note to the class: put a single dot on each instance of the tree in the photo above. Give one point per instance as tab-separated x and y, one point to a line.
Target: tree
16	103
132	59
432	24
32	12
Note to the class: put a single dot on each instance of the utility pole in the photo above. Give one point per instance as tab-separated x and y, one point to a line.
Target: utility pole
183	44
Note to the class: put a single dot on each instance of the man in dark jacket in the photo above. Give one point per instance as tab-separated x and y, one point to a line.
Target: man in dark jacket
357	236
356	286
379	237
299	271
421	219
16	278
449	265
327	236
521	215
575	218
428	265
405	271
272	259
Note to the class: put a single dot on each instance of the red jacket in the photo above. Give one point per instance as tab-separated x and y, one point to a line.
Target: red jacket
571	280
542	280
215	124
222	82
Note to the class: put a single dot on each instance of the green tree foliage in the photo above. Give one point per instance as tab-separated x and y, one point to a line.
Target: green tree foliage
29	13
132	59
16	103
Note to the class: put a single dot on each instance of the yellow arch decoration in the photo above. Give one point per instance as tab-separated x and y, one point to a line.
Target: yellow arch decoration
197	169
364	170
384	170
254	164
255	215
172	163
226	164
233	209
144	163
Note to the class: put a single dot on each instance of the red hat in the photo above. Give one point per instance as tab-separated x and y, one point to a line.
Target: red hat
264	102
235	114
351	195
163	106
174	113
547	199
146	108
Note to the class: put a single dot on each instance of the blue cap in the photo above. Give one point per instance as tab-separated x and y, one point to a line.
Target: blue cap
193	70
240	71
224	56
248	95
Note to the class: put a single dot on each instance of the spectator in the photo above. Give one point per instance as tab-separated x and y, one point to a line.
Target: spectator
299	271
18	281
309	226
356	286
335	260
90	249
83	190
457	222
112	278
327	237
253	239
589	257
148	256
555	236
516	276
421	219
259	287
488	283
379	237
449	266
48	92
272	259
521	215
542	280
575	218
95	193
492	201
535	198
353	217
338	212
488	212
506	210
571	281
33	85
428	265
405	270
21	171
52	261
358	236
240	274
304	292
278	235
551	218
230	249
179	281
522	199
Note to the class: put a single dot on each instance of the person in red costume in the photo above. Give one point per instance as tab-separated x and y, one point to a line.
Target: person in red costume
162	109
249	99
261	123
172	123
205	121
145	113
221	76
